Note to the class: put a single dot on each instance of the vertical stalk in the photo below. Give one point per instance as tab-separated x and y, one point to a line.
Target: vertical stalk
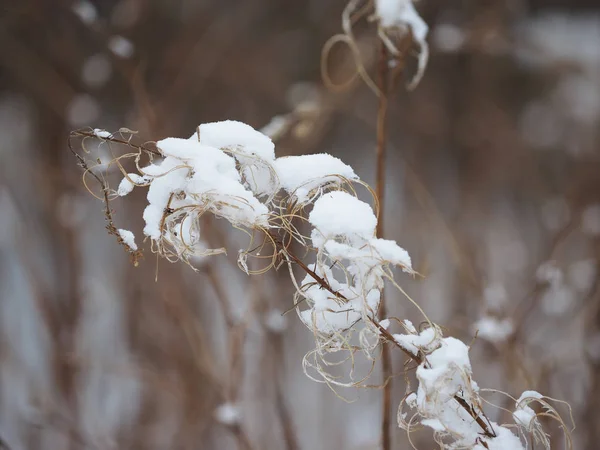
386	360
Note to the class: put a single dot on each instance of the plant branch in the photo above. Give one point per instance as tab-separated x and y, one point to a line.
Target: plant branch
386	357
136	255
320	280
90	134
419	358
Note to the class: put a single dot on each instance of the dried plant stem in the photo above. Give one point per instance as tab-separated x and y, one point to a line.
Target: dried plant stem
135	255
479	417
237	331
382	110
321	281
386	357
146	147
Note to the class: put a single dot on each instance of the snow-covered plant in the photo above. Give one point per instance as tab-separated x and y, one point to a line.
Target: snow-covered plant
400	28
449	401
229	171
310	204
400	17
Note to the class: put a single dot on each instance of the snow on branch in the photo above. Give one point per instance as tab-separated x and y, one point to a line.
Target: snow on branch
399	15
230	171
400	28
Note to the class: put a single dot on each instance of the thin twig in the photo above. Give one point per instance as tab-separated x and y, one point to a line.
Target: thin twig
112	138
320	280
386	357
135	255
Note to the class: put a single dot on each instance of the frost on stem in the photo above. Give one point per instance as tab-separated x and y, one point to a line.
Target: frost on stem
229	170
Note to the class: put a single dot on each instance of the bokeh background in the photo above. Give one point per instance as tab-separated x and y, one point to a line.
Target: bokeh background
493	186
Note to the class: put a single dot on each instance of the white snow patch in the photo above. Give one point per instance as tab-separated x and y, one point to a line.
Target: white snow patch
129	182
276	127
328	314
128	237
446	373
505	440
402	13
425	341
254	151
523	414
341	214
301	175
238	137
102	133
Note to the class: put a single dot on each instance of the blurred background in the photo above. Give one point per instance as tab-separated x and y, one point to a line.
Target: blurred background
493	186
